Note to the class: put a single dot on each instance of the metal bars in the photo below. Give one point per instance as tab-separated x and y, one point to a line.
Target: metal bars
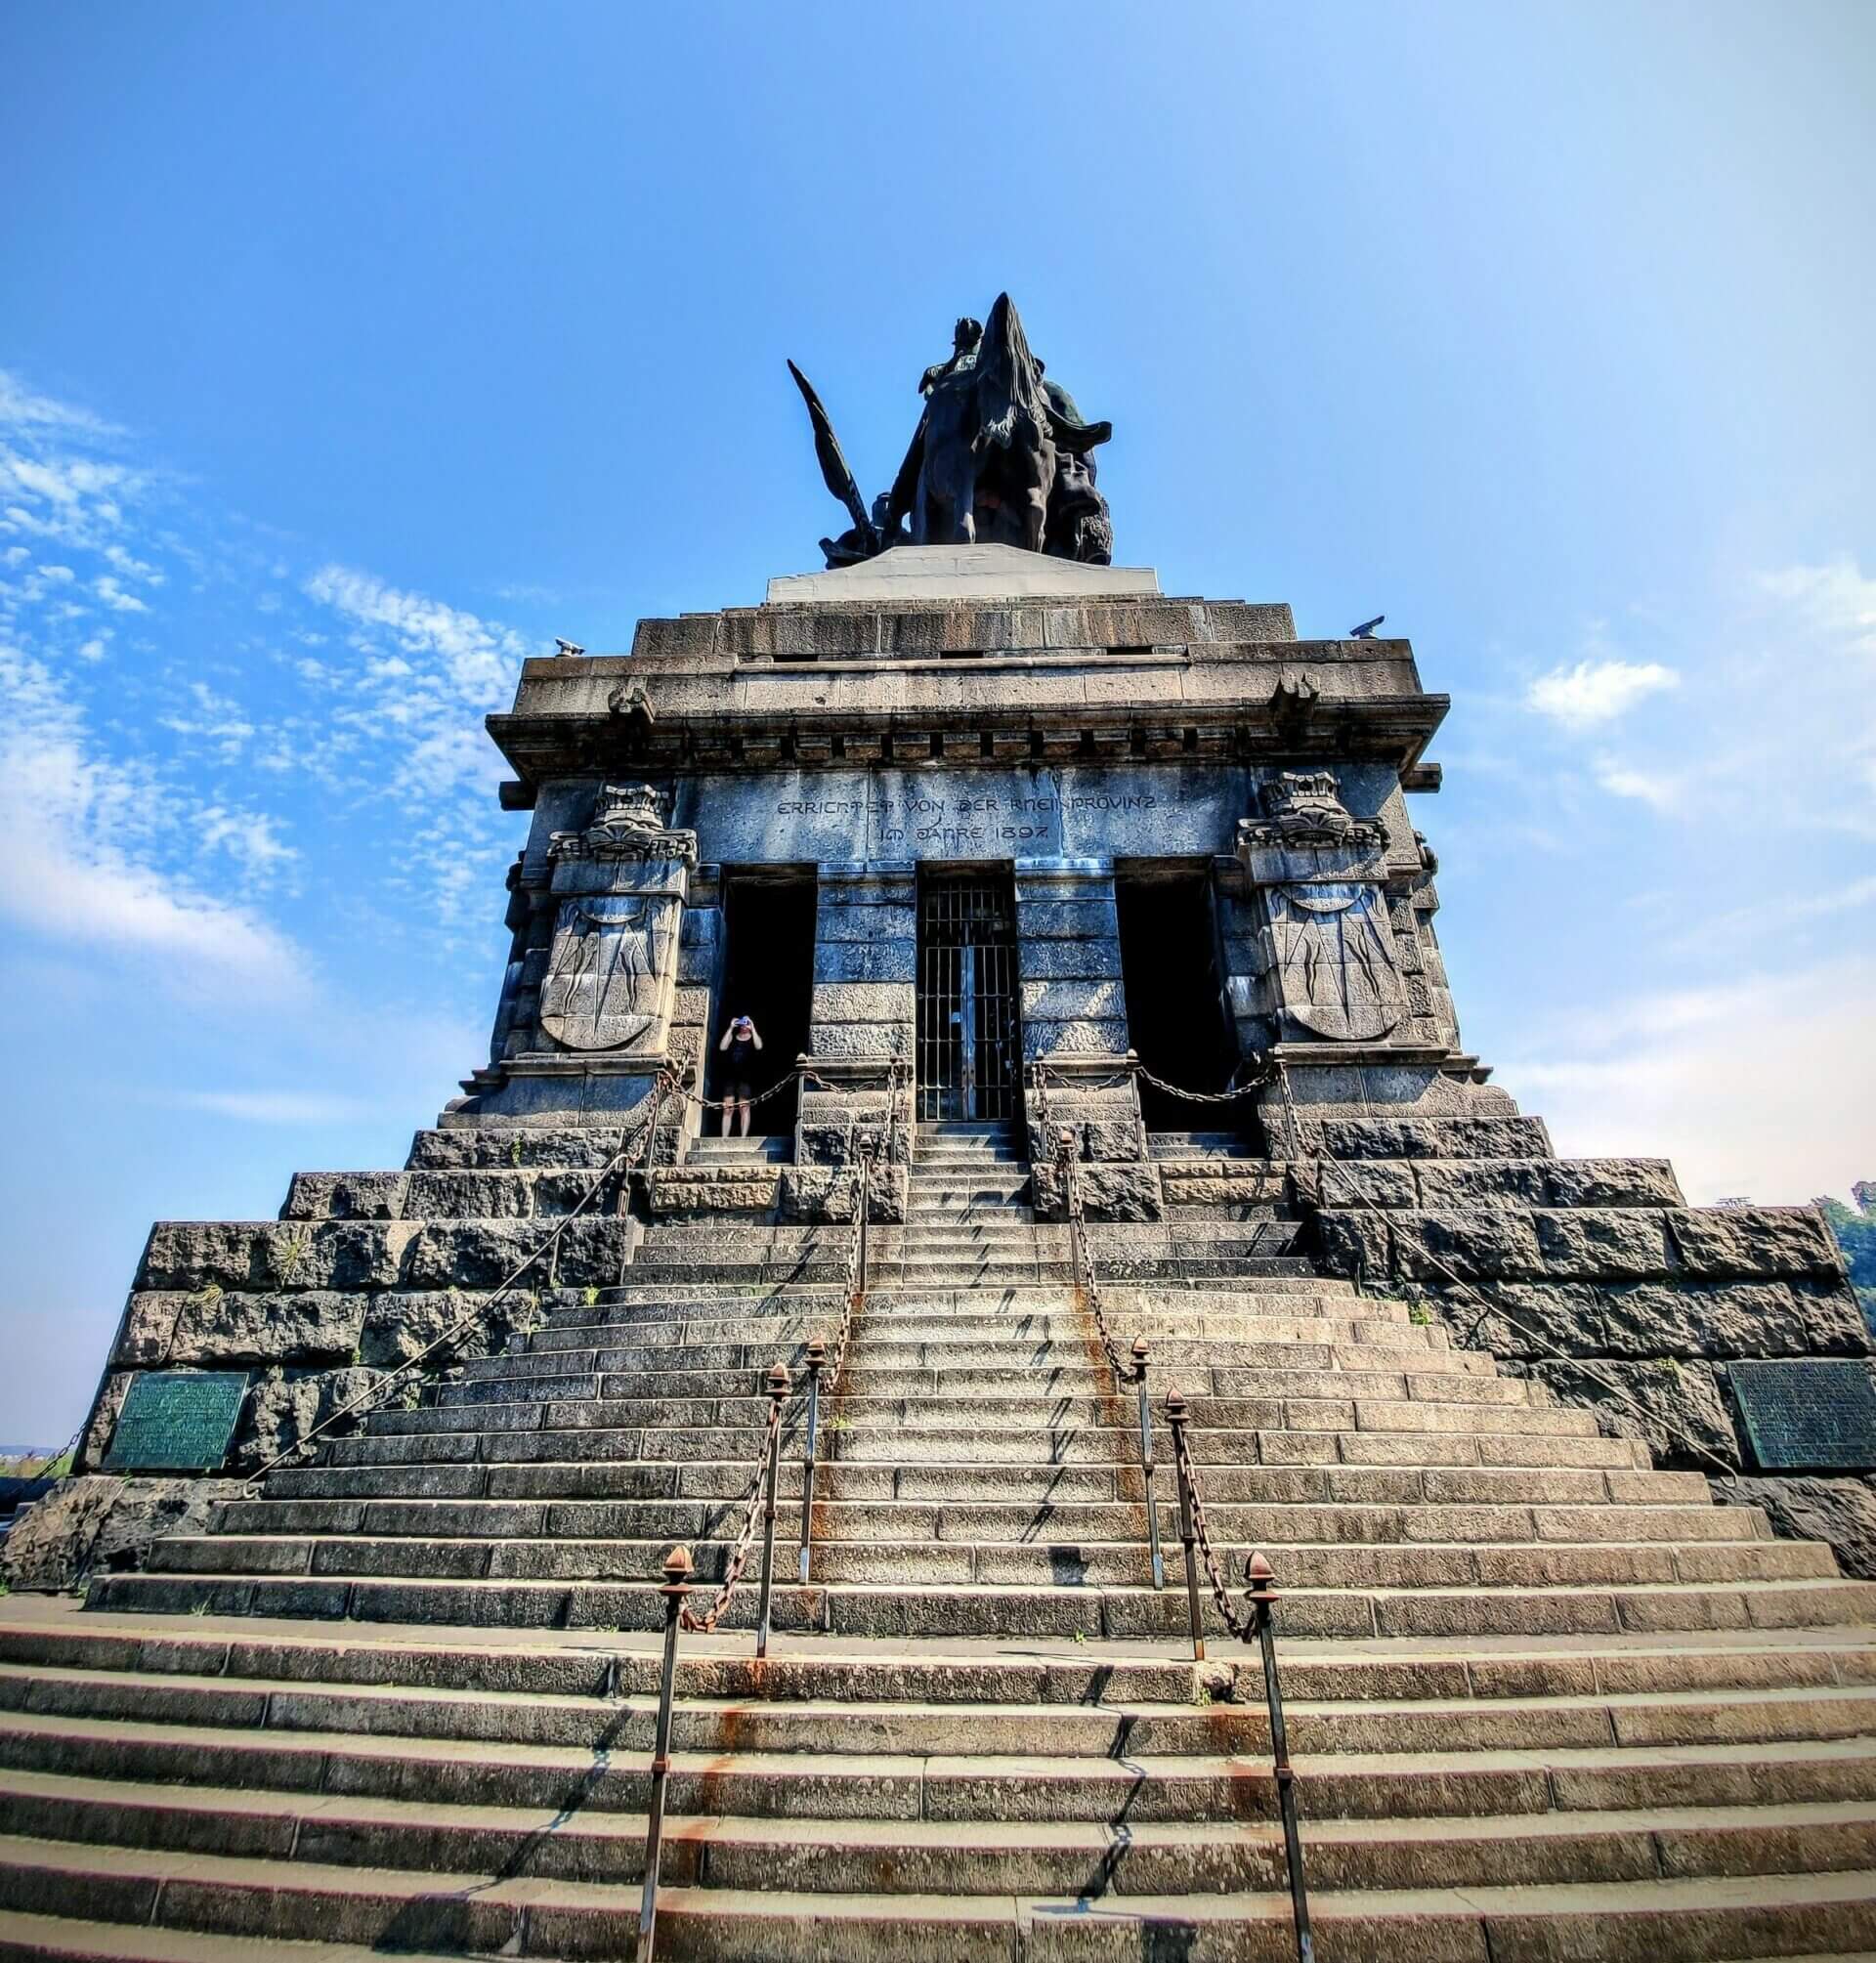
969	1053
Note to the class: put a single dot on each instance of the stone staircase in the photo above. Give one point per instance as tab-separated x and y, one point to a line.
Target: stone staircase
1545	1701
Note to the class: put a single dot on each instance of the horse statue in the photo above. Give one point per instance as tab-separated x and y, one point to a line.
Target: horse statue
986	439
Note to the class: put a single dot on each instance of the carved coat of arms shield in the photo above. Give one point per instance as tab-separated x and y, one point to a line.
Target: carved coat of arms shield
604	971
1336	951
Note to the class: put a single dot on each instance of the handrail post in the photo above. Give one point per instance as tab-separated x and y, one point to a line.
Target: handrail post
1176	1415
1262	1596
677	1586
778	1390
1147	1463
816	1359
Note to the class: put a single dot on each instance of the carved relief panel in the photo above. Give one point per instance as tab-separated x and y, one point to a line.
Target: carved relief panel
1334	965
618	888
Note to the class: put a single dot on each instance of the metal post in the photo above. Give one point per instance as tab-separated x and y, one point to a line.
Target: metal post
778	1390
1147	1463
1262	1600
677	1585
1175	1416
816	1360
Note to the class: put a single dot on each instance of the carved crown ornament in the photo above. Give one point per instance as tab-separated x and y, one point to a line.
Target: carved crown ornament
1305	808
628	822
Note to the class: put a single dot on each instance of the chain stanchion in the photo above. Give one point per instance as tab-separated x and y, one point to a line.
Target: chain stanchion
816	1359
1175	1418
1260	1628
778	1394
1146	1464
677	1586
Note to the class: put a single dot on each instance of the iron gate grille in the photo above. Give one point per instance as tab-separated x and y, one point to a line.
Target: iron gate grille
969	1054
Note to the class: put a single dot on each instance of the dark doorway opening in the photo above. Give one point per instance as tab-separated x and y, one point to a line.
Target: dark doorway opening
1176	1015
768	974
969	1042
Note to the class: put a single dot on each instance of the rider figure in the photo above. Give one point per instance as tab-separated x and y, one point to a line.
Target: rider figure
965	339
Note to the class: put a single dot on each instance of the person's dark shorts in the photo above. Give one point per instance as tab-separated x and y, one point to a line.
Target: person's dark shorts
738	1091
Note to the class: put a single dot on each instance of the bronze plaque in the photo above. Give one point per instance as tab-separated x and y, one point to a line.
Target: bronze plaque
177	1421
1808	1414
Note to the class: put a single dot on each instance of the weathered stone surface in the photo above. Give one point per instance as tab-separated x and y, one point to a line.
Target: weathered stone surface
1066	1000
1376	1184
1629	1244
400	1326
282	1409
193	1255
1127	1192
822	1195
470	1253
469	1196
1388	1137
1840	1512
1472	1182
215	1328
345	1196
1754	1241
1475	1244
895	961
1674	1408
97	1523
1214	1185
495	1147
1610	1182
864	1001
707	1192
846	1040
1069	960
1106	1037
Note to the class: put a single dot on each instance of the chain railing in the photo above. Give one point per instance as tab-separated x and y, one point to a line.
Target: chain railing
633	1155
1130	1369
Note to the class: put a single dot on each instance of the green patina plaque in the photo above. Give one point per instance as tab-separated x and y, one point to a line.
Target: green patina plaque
177	1421
1808	1415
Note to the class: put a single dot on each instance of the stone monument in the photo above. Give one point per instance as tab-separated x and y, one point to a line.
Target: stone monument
1097	925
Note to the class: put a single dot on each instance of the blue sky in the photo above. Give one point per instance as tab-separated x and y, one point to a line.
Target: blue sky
354	350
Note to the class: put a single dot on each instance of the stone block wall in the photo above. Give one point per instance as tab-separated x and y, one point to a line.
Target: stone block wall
1586	1273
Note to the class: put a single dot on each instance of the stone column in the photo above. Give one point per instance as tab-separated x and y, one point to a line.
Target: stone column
1074	1011
699	981
861	1017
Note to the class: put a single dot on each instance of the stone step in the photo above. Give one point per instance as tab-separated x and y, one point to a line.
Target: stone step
75	1939
581	1431
1068	1858
960	1609
219	1896
908	1522
1254	1485
830	1669
900	1727
879	1783
1021	1564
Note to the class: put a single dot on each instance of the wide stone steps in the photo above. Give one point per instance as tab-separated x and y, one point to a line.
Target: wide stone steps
1045	1487
224	1896
1065	1857
907	1522
1064	1605
1111	1733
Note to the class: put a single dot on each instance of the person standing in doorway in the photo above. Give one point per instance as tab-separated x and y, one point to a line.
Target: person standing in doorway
741	1042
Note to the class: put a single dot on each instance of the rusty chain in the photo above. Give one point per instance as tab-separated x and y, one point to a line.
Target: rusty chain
706	1623
1125	1368
1202	1534
639	1146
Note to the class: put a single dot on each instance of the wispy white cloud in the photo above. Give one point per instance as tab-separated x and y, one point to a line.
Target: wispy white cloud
1689	1074
79	853
20	408
1837	600
1659	789
1595	692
